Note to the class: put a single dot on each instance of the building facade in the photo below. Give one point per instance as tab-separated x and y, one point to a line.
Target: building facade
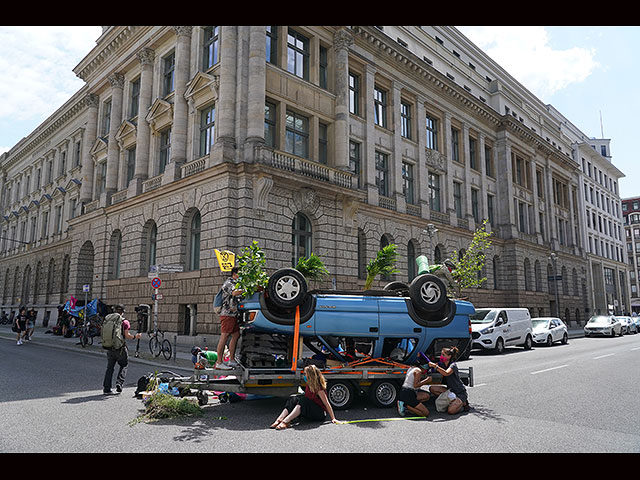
631	213
331	140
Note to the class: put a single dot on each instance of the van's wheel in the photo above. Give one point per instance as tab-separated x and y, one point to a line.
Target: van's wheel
287	288
528	343
428	292
499	348
383	393
396	286
340	394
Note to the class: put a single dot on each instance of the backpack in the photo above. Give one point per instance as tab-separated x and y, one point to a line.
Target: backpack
112	335
217	302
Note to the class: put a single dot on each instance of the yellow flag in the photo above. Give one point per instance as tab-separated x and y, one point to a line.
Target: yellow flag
226	259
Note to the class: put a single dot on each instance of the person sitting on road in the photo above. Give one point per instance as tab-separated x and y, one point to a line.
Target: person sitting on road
411	395
312	405
451	378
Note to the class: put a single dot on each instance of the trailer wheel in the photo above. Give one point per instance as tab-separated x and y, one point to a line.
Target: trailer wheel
287	288
340	394
383	393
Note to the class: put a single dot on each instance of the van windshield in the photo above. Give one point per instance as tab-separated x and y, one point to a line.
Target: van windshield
483	316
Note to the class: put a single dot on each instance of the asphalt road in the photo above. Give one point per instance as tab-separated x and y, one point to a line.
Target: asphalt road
580	397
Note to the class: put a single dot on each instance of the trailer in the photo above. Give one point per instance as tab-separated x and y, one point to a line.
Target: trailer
378	379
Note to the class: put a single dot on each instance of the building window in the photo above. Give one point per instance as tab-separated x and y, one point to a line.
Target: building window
272	45
407	182
298	54
135	97
323	66
131	164
490	212
382	174
211	47
270	124
297	134
194	243
472	153
432	133
165	149
151	252
434	192
168	71
355	164
354	94
380	105
323	147
300	238
207	122
488	161
106	117
405	118
58	222
474	205
455	145
457	198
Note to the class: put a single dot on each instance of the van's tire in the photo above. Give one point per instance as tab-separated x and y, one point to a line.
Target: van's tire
396	286
287	288
428	292
499	348
528	343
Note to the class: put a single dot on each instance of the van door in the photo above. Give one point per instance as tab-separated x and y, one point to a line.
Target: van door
505	327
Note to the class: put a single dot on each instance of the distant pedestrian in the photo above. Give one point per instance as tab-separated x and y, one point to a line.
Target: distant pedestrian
21	324
229	321
31	323
117	351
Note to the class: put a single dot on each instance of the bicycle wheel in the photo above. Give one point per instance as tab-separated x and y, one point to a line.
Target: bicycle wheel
83	339
155	346
166	349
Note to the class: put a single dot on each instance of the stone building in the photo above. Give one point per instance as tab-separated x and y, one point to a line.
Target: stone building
631	214
332	140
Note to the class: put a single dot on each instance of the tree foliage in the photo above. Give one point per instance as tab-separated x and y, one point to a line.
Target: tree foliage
251	270
383	264
312	267
468	268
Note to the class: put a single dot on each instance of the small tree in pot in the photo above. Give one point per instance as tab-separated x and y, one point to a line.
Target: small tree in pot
252	276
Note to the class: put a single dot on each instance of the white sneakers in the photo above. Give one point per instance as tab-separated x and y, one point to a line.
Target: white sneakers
230	365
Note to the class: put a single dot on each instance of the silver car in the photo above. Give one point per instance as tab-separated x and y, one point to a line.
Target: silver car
628	325
606	325
547	330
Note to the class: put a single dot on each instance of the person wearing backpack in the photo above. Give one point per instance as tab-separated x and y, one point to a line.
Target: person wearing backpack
115	333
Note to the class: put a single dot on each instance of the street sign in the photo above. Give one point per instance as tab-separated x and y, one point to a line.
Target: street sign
156	296
156	282
169	268
86	288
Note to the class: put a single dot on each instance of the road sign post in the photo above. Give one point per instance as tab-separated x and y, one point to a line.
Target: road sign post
155	283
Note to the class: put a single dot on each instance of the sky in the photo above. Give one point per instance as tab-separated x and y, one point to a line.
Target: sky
587	73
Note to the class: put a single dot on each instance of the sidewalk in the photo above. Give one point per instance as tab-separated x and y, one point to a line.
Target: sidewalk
181	347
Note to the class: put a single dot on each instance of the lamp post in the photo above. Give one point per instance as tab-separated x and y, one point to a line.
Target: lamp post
554	258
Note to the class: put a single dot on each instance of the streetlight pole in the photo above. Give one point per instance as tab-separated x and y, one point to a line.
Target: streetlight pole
554	258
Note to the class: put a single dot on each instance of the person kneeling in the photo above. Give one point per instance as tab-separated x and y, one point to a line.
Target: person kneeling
411	396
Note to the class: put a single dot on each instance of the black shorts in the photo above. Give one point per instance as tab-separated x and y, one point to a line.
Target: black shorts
409	397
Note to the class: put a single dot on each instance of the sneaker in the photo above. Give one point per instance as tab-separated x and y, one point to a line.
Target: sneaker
233	364
222	366
19	342
119	388
402	410
107	392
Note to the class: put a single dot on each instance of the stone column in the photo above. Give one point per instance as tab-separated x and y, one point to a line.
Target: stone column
143	134
256	89
90	133
342	40
224	147
113	158
180	107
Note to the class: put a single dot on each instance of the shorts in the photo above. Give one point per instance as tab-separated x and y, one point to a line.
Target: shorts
229	324
409	397
308	408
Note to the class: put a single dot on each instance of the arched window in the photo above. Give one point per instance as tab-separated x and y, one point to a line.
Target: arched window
194	242
151	251
411	260
362	254
437	255
300	238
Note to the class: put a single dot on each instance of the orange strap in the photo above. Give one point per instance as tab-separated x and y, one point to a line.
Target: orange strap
296	334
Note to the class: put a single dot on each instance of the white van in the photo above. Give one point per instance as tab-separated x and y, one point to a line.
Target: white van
496	328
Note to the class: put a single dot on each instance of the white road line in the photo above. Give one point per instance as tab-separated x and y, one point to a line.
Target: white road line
602	356
549	369
479	384
634	349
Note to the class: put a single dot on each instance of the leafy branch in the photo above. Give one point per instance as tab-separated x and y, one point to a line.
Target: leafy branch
469	266
383	264
312	267
251	270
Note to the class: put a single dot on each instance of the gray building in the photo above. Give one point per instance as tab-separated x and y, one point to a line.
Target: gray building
331	140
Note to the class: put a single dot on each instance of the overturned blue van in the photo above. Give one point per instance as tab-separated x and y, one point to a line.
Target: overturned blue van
397	322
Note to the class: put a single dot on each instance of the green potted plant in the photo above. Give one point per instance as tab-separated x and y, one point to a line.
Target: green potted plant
252	276
312	267
383	264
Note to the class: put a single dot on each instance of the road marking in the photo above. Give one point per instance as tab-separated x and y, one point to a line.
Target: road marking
479	384
634	349
602	356
549	369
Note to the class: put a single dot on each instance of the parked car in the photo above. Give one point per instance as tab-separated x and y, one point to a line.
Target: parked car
603	325
636	322
548	330
628	325
497	328
398	322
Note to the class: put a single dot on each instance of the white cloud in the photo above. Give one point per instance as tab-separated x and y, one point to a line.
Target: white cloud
524	52
36	65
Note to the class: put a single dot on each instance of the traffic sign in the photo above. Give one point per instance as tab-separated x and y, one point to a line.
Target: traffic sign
86	288
155	283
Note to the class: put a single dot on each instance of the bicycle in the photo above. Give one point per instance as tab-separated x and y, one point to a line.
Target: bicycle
158	344
86	332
